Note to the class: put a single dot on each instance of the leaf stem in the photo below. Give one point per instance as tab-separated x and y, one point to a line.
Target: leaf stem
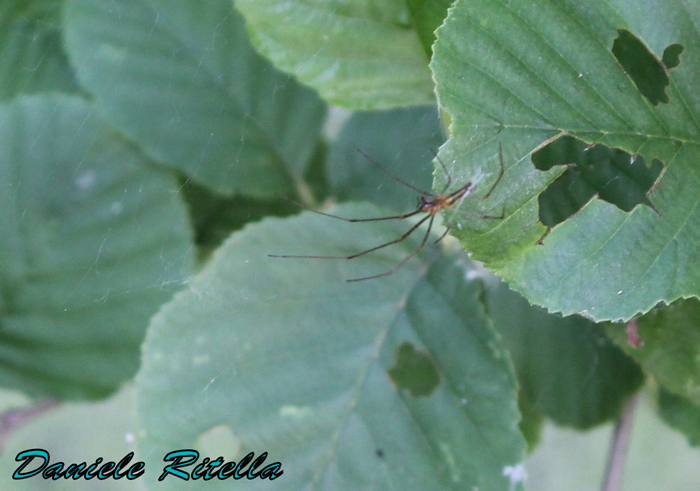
14	418
619	447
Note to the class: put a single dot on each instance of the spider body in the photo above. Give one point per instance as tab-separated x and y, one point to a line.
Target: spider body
439	202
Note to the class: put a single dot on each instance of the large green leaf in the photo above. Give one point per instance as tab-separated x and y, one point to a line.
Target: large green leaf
357	54
520	73
180	78
396	383
92	241
568	369
31	50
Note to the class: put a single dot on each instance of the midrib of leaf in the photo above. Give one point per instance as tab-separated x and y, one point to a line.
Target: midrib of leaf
361	380
486	443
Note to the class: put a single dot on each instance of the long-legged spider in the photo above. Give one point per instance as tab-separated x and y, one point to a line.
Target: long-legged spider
428	202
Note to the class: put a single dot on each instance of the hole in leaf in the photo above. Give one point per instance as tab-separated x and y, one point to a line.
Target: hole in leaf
415	371
613	174
647	72
672	55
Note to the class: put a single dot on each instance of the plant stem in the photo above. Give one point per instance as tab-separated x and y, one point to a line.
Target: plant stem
619	446
14	418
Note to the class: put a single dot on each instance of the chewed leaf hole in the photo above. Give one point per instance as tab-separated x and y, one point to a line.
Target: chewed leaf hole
613	174
648	73
672	55
415	371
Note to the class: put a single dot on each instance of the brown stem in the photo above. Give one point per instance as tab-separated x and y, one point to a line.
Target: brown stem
619	446
14	418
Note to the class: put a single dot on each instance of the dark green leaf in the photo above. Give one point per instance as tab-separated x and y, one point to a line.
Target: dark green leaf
567	367
532	422
672	53
681	414
414	371
427	16
92	241
214	216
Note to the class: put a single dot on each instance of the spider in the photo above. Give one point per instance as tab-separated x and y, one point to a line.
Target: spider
429	203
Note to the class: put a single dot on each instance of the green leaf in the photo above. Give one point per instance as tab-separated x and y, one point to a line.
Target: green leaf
357	54
31	54
181	79
681	414
671	346
568	369
531	422
518	74
92	241
401	141
343	383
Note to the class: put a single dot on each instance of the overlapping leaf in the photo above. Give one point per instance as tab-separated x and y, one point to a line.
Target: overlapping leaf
92	241
520	73
357	54
391	384
181	79
31	53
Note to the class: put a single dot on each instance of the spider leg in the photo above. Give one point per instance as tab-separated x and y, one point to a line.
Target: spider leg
398	179
500	175
500	217
352	256
447	173
352	220
405	260
447	230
